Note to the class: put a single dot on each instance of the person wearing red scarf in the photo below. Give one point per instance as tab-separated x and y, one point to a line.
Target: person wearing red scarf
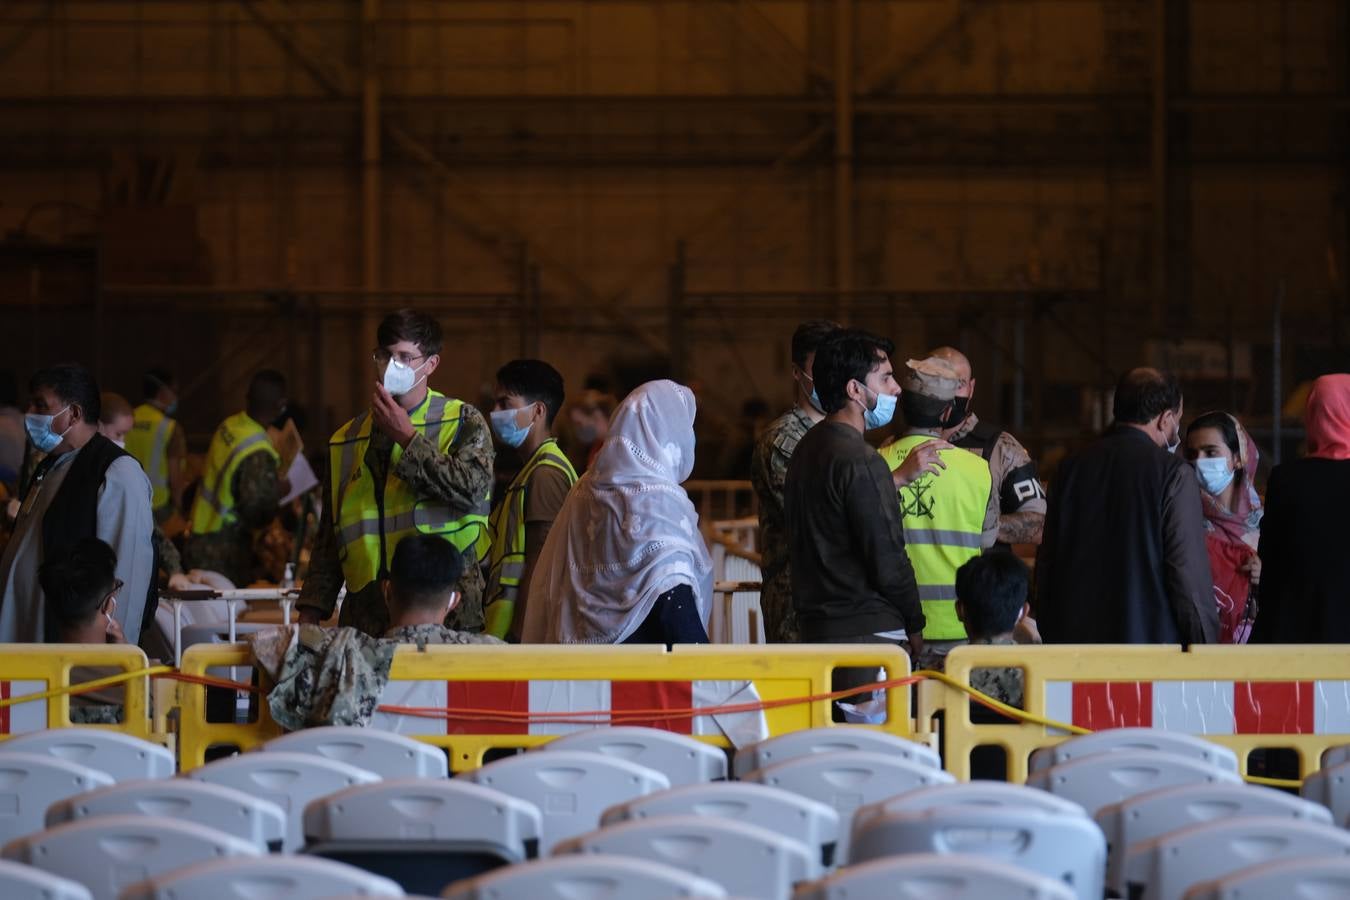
1226	460
1305	582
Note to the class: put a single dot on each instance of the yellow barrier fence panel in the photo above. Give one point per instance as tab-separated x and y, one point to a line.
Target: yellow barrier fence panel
1246	698
196	735
473	699
34	682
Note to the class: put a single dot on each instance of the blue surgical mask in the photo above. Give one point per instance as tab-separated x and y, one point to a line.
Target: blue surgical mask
815	400
171	408
39	428
881	413
1214	474
400	378
506	429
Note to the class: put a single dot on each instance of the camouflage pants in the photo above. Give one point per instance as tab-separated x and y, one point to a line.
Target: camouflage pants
780	616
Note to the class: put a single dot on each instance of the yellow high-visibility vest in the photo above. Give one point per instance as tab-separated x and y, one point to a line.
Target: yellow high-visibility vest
237	438
148	441
367	534
944	521
507	526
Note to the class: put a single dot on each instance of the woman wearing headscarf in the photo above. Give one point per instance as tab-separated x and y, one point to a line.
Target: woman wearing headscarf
624	561
1225	460
1305	583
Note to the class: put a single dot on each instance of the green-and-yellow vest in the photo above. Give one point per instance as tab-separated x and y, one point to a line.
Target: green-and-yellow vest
368	535
148	441
237	438
944	519
507	526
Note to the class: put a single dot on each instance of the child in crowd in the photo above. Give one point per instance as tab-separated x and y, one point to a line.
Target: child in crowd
991	598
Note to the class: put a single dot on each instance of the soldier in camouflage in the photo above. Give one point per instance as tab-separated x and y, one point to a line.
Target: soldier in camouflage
991	598
768	470
335	676
460	479
1021	497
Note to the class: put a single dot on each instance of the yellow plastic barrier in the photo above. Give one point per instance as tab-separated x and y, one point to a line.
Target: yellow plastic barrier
34	670
534	693
1246	698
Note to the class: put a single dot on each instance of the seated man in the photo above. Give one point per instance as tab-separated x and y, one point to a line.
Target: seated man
81	596
334	676
991	598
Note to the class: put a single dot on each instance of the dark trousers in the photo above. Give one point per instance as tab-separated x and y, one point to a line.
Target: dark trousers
847	679
674	619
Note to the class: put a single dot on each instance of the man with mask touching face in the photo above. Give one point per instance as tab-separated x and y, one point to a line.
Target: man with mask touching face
529	394
852	581
1124	559
85	487
416	462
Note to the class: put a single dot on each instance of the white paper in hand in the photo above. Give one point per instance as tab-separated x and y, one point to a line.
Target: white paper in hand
302	478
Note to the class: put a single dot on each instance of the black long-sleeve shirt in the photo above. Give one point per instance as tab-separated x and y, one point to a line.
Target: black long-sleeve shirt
1123	560
850	574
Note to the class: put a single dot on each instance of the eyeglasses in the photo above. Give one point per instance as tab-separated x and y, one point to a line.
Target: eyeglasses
383	356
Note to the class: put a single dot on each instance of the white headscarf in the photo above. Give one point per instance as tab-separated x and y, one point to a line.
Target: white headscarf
627	532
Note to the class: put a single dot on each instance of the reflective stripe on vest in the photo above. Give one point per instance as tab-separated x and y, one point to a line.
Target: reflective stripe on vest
148	441
943	518
507	527
237	438
367	533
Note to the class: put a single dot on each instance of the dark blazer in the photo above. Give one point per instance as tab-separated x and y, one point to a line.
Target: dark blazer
1123	560
1305	555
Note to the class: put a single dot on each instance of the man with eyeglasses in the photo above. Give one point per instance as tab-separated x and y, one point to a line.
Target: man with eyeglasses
241	485
416	462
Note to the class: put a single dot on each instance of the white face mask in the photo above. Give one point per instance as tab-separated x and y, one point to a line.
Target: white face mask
400	378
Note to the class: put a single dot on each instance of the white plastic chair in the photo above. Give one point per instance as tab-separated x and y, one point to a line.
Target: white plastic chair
1151	815
747	860
791	815
291	780
251	818
20	882
1069	848
1094	782
291	877
422	833
593	877
682	759
928	876
386	754
1335	756
1313	879
847	781
1331	788
109	853
570	787
1169	865
123	757
830	739
29	783
1115	740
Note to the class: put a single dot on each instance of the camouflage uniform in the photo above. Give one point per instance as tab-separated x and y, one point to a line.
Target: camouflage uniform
95	713
334	676
1002	683
460	479
169	559
229	551
1016	486
767	472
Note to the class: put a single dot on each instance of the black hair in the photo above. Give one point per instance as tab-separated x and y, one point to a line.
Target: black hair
424	570
808	338
410	325
72	383
534	381
1144	394
921	411
266	393
153	380
75	585
846	355
993	590
1225	426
